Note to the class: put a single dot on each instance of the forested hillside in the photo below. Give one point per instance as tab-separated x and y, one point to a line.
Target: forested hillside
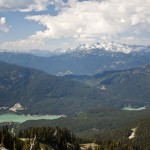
46	138
55	138
131	86
42	93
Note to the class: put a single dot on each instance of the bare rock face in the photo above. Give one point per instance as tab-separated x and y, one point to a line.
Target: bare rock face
16	107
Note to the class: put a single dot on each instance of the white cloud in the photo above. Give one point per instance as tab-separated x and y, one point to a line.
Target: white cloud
3	26
23	44
92	20
24	5
134	41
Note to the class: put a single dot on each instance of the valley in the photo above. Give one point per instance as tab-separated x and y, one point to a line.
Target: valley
74	75
105	109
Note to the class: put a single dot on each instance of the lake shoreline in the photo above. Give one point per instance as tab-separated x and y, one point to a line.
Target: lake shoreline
20	118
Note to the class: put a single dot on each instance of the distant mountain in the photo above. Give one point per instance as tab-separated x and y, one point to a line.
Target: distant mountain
82	60
132	85
110	47
42	93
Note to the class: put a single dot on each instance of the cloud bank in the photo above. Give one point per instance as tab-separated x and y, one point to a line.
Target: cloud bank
91	20
24	5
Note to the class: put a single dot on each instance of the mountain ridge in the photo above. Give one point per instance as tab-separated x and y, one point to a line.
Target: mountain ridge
132	85
40	92
87	48
78	62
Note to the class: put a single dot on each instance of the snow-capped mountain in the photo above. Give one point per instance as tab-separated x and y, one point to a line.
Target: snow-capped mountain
109	47
86	59
88	49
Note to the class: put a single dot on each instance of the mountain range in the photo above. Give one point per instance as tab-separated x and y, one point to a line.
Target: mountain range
82	60
42	93
95	86
132	85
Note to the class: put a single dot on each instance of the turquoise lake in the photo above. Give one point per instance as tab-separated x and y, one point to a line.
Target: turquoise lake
22	118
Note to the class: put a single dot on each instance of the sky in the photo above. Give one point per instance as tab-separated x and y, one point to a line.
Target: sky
52	24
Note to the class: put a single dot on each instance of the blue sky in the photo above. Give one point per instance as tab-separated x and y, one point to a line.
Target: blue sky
52	24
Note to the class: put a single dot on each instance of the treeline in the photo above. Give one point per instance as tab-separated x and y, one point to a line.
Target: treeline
45	138
55	137
101	119
9	141
119	139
